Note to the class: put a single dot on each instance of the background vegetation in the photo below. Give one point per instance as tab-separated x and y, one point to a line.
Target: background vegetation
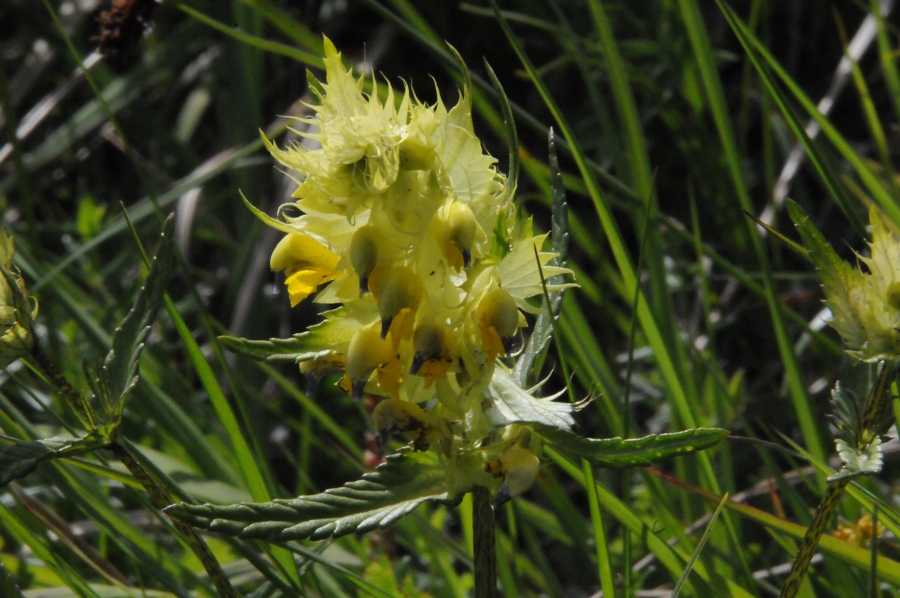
670	126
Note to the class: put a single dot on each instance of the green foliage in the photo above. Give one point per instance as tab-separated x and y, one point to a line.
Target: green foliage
21	458
120	369
619	453
380	498
669	119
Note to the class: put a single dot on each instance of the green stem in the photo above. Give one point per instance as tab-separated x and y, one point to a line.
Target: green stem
161	498
485	545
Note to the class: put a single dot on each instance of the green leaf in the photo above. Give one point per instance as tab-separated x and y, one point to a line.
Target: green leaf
514	405
543	325
332	335
19	459
377	500
616	453
121	365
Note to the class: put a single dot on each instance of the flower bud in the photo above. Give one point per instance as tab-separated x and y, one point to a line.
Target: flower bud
398	291
498	318
436	351
461	229
16	313
394	415
366	352
364	255
519	468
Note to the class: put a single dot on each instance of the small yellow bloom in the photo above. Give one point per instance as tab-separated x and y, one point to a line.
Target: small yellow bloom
436	351
498	319
394	415
366	353
306	263
518	467
398	291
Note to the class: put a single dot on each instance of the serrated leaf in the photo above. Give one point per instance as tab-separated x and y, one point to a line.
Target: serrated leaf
398	486
618	453
332	335
19	459
858	462
511	404
122	362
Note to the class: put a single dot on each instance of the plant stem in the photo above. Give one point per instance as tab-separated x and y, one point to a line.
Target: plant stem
161	498
55	377
811	539
876	404
485	545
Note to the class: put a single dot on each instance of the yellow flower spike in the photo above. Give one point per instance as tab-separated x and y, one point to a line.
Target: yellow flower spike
498	319
394	415
17	310
366	353
364	255
436	351
461	229
398	291
519	468
306	264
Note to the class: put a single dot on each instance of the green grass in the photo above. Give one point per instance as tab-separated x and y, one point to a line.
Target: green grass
670	119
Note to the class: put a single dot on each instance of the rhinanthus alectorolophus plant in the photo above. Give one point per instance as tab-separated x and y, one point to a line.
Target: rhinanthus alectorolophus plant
402	221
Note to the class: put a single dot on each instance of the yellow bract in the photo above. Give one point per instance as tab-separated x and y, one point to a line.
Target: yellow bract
865	307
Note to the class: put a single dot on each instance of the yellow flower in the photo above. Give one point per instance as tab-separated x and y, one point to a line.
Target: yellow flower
306	264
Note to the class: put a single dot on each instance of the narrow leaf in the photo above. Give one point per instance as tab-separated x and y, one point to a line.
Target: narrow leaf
19	459
121	365
616	453
700	545
377	500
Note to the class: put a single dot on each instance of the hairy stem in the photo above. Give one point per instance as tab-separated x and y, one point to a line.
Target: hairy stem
485	546
161	498
878	400
811	539
56	378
